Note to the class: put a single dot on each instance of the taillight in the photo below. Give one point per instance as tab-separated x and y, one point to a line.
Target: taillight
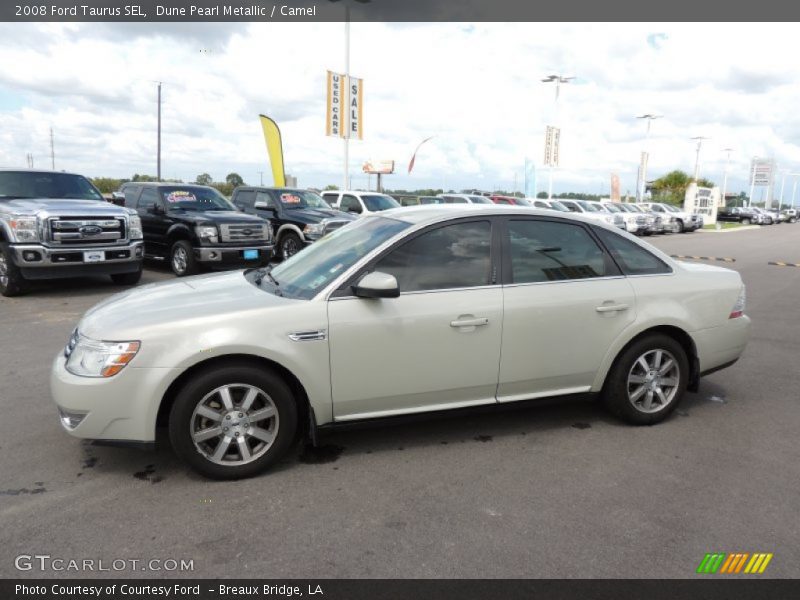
738	308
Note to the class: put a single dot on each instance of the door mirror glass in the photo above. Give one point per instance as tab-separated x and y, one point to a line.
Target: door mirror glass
377	285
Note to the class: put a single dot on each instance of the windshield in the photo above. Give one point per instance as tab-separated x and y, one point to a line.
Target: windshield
589	207
307	272
194	198
633	208
671	208
378	202
613	208
32	184
555	204
302	199
480	200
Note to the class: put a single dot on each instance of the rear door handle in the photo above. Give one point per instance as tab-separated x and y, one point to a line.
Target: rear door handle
611	308
470	322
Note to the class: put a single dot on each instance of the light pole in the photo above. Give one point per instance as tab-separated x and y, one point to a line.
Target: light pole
261	176
783	183
752	182
558	80
794	185
640	188
699	139
725	176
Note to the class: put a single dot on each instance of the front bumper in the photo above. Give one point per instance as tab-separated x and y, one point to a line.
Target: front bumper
226	256
38	261
121	408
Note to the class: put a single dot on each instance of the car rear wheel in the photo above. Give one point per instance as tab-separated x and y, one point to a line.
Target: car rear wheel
181	259
648	380
745	221
680	226
233	422
11	281
291	244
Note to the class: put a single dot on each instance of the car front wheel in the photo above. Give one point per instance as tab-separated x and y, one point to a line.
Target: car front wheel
647	380
233	422
291	244
11	281
181	259
745	221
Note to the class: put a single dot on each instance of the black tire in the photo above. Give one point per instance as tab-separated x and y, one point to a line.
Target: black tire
617	390
182	420
793	220
745	221
290	245
681	229
181	259
127	278
12	283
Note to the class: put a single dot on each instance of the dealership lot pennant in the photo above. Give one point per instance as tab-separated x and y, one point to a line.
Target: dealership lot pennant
334	113
344	114
272	136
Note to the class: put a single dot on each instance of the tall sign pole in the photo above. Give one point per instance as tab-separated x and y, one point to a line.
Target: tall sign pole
346	178
158	150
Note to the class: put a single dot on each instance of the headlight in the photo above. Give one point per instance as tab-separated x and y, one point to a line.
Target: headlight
208	232
92	358
135	227
25	229
314	229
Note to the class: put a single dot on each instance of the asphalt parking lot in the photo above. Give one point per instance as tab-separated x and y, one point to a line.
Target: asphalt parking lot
556	491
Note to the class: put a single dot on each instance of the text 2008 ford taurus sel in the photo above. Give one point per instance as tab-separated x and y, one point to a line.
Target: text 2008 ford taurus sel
522	304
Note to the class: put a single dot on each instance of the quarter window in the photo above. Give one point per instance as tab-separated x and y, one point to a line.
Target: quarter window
454	256
552	251
632	258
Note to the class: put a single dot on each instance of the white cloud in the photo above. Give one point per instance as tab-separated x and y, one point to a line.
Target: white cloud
476	88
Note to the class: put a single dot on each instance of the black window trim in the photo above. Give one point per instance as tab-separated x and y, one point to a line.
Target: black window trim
670	271
345	289
612	268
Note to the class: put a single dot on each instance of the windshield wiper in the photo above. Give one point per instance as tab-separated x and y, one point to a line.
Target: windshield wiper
265	272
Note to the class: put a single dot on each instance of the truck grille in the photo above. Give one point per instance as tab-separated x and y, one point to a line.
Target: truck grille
334	225
243	232
86	231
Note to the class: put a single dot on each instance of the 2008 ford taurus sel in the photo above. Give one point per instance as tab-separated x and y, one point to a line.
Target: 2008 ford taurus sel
415	310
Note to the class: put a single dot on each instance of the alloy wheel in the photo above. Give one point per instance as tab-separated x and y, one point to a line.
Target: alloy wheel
234	424
289	247
3	270
179	259
653	381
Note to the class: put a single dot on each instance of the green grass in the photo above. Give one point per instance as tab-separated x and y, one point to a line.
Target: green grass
724	226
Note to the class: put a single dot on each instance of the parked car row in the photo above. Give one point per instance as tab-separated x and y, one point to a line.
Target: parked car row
747	215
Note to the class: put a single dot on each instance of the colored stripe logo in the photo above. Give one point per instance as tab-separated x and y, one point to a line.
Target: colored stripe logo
734	563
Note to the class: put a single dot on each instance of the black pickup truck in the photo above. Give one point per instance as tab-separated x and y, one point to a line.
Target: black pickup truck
737	214
299	217
195	226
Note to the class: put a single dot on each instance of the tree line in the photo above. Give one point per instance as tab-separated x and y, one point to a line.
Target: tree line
106	185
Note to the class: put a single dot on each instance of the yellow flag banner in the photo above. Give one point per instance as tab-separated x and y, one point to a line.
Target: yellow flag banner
272	135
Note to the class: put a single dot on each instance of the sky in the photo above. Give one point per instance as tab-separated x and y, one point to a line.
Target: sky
475	87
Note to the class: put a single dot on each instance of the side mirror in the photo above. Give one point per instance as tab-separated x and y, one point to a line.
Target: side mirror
354	209
377	285
155	210
117	196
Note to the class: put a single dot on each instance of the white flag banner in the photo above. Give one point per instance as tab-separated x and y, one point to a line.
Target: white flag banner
355	103
336	111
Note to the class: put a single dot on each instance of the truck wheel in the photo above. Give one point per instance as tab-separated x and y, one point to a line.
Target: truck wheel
233	421
181	259
127	278
745	221
291	244
647	381
11	281
680	226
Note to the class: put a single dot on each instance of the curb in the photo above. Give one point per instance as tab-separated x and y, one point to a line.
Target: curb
779	263
743	228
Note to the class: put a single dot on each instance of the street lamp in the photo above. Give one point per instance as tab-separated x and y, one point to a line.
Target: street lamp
640	188
699	139
794	186
725	177
558	80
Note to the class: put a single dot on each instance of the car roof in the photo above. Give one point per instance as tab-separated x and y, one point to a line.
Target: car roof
167	184
431	213
48	171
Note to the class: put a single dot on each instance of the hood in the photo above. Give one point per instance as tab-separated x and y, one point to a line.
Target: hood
63	206
215	216
315	215
138	313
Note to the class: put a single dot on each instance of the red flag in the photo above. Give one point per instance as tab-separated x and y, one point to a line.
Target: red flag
414	156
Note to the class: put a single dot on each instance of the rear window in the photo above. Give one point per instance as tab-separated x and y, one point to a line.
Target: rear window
631	257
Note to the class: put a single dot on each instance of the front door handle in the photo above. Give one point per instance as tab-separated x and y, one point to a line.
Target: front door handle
611	308
470	322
